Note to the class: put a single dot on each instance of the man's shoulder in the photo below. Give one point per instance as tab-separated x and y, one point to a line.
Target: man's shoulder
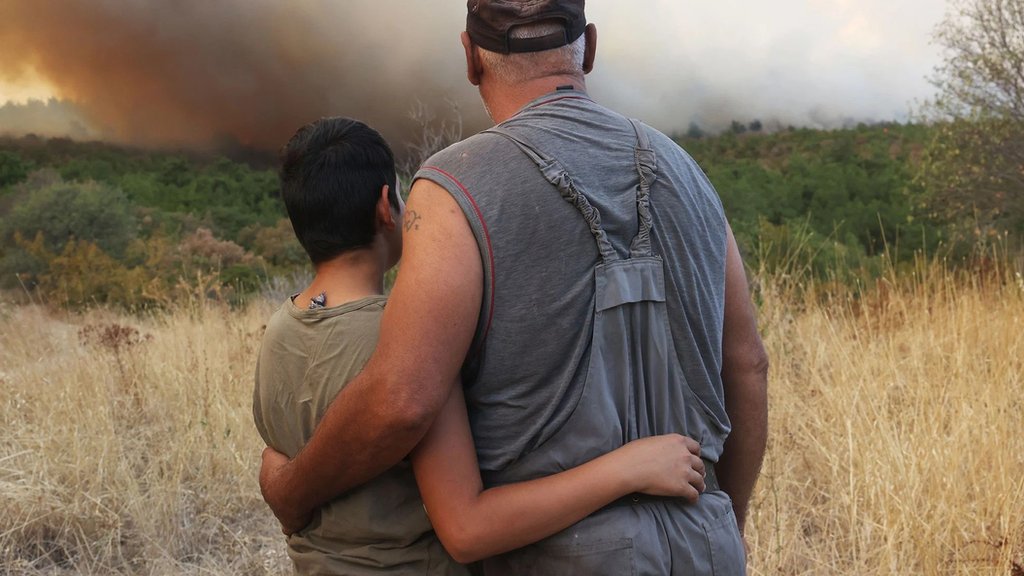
661	141
474	148
667	148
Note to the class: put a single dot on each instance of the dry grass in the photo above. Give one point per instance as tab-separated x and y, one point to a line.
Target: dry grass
897	430
896	447
128	447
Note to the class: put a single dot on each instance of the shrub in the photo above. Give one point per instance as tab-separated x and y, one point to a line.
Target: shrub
62	211
12	168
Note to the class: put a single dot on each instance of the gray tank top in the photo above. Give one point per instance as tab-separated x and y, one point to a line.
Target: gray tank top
527	370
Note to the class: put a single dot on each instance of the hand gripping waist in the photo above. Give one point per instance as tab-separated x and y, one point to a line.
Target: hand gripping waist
710	484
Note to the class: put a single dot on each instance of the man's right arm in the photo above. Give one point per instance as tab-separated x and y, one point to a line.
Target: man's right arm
426	331
745	380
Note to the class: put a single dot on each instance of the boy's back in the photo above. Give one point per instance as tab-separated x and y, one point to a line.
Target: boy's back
306	358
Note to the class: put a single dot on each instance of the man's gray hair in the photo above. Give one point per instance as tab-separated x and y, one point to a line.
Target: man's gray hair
525	66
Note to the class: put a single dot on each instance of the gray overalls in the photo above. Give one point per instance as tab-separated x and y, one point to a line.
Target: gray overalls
634	389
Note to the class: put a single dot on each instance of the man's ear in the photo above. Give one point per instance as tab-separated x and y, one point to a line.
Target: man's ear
385	217
472	62
590	52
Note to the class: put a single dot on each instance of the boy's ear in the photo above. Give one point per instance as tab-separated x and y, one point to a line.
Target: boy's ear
385	217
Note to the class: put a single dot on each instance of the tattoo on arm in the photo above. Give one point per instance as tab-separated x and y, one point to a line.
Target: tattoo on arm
412	221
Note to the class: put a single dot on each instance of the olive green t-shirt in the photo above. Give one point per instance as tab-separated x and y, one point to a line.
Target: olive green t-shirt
306	358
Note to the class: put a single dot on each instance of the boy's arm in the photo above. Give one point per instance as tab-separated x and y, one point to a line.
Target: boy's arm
473	523
425	333
745	379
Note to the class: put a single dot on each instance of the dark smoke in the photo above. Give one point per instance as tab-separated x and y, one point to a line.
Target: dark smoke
202	73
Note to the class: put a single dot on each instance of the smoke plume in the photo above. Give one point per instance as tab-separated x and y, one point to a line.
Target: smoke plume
248	72
195	72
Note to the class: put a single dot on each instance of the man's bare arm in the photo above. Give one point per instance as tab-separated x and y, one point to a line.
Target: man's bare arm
426	330
745	378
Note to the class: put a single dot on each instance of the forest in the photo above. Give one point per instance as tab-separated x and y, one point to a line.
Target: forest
93	223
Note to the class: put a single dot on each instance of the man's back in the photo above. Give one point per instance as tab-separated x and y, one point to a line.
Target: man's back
537	402
530	371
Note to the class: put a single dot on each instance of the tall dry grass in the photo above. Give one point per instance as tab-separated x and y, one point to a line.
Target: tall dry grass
897	443
897	427
127	445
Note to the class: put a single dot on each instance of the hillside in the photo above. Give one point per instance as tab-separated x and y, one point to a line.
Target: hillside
840	196
99	223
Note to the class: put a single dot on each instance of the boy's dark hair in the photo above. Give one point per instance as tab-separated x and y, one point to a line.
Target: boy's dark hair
332	171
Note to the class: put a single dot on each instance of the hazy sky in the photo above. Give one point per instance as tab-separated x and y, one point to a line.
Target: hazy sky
806	62
800	61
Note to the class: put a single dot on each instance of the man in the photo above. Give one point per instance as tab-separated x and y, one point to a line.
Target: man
577	270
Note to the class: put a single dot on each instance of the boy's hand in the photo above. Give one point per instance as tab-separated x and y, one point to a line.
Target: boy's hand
274	490
668	465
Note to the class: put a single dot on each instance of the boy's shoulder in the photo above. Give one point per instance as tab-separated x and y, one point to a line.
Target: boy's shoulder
290	321
279	321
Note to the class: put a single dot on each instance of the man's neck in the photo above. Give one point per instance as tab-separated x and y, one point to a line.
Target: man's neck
349	277
504	101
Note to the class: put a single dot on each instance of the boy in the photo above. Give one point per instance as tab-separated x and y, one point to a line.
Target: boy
339	187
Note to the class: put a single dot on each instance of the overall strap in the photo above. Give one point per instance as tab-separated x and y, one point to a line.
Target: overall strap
646	164
646	167
556	174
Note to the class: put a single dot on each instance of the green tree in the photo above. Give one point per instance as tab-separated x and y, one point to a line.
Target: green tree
62	211
12	168
974	168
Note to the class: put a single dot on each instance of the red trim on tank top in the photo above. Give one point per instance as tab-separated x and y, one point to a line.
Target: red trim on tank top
487	237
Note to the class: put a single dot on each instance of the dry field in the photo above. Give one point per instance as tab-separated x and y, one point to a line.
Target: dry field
897	429
897	443
128	445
